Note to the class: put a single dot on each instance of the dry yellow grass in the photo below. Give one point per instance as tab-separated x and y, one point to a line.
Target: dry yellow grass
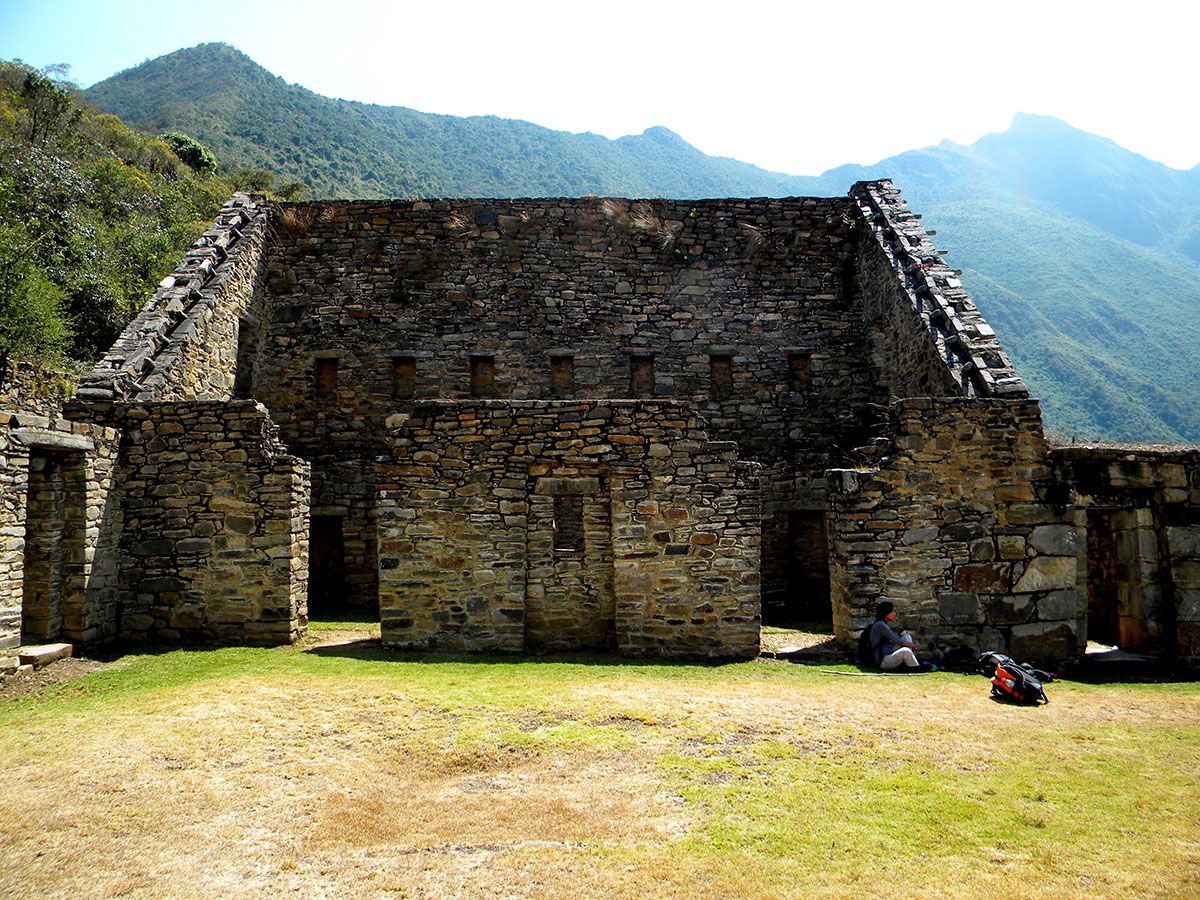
279	773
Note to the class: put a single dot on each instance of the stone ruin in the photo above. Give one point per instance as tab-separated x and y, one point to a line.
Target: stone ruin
643	427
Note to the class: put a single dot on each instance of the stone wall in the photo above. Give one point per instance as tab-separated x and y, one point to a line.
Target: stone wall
567	524
58	528
746	308
964	527
214	545
1139	509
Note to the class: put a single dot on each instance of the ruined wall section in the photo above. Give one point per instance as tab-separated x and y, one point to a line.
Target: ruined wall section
1139	510
927	337
965	528
69	592
475	549
183	345
214	546
743	307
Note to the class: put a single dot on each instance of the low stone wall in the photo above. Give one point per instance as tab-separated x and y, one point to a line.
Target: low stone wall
58	526
964	528
214	546
571	524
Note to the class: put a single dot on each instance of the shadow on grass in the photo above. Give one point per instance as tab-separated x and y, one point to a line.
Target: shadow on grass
370	649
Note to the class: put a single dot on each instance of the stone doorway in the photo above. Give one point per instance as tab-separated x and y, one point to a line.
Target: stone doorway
55	540
1125	579
326	566
800	594
569	602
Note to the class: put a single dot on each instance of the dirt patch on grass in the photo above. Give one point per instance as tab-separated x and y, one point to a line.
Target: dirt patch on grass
21	684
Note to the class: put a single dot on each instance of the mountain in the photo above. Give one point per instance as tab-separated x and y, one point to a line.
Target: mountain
249	117
1083	255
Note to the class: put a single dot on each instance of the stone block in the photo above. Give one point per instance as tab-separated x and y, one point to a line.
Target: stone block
1044	641
1055	540
983	578
1047	573
1187	605
1189	639
1009	609
1184	540
959	608
1064	604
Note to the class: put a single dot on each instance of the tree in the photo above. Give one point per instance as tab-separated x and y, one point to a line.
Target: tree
196	155
48	107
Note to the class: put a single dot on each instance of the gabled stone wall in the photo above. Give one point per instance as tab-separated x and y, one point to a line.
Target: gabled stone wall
748	309
183	344
471	556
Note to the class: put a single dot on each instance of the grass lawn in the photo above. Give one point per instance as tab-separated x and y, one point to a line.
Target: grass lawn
341	771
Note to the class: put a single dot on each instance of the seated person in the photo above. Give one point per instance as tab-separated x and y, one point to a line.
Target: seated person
893	650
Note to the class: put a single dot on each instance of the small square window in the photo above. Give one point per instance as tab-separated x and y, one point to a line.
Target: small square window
325	377
483	376
404	377
641	376
562	376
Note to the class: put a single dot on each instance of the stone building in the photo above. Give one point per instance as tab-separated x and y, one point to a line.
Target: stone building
640	426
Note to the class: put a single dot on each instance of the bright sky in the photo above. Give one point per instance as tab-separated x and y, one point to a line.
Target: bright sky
797	87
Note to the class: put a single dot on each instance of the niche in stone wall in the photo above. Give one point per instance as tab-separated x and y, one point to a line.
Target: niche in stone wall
247	348
569	600
562	375
483	376
55	540
641	375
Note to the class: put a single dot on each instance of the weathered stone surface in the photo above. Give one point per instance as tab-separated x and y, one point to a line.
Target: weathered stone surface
983	578
1047	573
1043	641
1055	540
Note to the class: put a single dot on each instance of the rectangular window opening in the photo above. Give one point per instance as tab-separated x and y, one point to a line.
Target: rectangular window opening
483	376
641	376
562	376
720	374
404	377
325	377
568	523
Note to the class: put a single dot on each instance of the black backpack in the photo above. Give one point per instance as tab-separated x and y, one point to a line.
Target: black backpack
1014	683
988	662
866	653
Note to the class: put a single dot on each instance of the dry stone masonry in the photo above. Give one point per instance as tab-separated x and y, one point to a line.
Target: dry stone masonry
592	424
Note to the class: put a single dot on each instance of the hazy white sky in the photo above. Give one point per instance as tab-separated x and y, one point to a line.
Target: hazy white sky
797	87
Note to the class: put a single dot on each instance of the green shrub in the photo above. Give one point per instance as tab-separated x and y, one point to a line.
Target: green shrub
194	154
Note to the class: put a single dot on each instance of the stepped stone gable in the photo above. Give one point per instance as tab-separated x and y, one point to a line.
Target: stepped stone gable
641	426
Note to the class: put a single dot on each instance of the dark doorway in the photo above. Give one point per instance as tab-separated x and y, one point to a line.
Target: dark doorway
808	569
326	566
1103	578
55	525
